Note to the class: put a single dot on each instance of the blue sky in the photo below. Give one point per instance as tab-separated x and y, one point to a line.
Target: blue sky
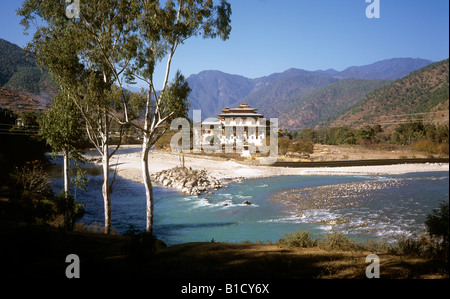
271	36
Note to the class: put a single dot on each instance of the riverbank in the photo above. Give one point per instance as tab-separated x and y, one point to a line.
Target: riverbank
128	164
103	256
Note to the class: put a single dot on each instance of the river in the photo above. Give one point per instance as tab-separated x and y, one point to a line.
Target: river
362	207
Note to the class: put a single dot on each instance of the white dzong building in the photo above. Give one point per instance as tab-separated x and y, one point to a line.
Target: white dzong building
240	129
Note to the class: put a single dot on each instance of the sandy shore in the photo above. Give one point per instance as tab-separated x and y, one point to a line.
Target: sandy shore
128	165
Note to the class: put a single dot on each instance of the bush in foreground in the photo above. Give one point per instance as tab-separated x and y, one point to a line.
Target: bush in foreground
332	241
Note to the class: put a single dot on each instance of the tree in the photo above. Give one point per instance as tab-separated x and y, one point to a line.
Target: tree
437	222
119	41
160	31
61	127
437	225
87	58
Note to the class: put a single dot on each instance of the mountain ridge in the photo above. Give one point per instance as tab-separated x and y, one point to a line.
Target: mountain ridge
297	97
273	94
21	75
418	96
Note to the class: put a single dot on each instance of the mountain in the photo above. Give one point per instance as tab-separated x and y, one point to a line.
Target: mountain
213	90
389	69
324	105
22	75
18	102
423	94
299	98
277	94
279	91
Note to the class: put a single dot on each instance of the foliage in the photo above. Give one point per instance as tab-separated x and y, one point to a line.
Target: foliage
72	210
27	79
30	193
11	59
337	241
422	91
175	98
420	136
160	30
26	147
61	126
421	245
7	116
415	131
21	73
326	103
303	147
115	42
87	58
332	241
140	245
437	222
300	239
286	145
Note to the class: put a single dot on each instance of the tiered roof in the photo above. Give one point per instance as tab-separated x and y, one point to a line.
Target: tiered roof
244	110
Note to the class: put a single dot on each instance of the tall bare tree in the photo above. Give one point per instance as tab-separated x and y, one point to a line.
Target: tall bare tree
87	57
161	30
117	41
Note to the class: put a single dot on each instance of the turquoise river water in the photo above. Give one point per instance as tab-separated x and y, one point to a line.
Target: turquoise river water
363	207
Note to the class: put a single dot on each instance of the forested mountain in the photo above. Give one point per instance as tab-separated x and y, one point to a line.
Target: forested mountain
322	107
423	94
389	69
299	98
279	94
213	90
21	74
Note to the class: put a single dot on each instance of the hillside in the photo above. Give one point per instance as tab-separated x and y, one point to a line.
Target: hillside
278	93
21	74
213	90
18	102
389	69
281	91
327	103
424	94
299	98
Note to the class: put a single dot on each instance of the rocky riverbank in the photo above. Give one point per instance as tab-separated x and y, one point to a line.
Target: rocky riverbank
128	164
187	180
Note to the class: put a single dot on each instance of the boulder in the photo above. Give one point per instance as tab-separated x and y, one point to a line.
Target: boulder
187	180
166	182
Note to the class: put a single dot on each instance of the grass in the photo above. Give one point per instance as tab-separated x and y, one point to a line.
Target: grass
297	255
408	254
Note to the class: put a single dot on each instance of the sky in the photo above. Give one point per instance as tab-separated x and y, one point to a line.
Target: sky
271	36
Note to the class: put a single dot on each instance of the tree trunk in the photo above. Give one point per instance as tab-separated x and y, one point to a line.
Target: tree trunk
106	189
148	186
67	200
66	172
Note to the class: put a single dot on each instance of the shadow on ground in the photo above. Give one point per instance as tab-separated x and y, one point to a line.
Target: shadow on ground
40	252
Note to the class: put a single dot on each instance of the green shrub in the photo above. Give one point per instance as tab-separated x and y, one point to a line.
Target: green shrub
437	222
30	194
300	239
300	146
336	241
